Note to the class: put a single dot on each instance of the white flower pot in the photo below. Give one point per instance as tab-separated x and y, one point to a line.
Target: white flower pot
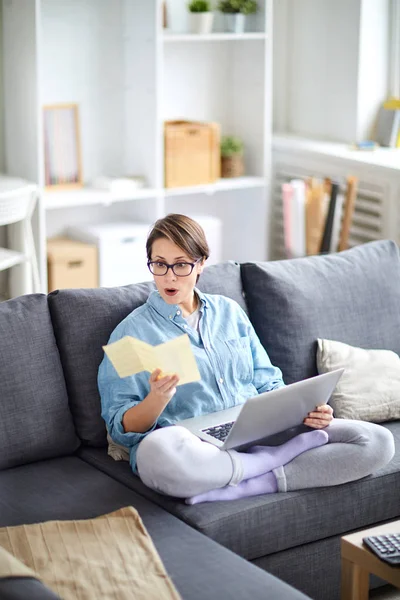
201	22
235	23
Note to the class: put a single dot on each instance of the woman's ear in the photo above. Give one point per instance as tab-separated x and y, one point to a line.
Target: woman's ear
201	265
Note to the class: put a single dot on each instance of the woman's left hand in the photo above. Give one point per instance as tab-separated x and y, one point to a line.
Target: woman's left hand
320	417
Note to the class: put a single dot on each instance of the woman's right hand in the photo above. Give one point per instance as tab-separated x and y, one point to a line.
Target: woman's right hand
141	417
162	389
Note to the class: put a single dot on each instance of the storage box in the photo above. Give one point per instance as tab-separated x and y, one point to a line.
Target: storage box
121	250
192	153
71	264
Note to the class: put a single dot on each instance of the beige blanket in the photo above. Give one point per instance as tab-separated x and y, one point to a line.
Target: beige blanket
111	556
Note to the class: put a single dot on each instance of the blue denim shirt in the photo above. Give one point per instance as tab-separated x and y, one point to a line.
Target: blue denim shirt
232	362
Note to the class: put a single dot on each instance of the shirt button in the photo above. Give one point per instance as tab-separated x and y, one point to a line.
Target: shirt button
221	380
178	312
170	316
185	326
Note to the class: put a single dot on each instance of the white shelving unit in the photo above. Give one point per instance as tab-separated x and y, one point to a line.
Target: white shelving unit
212	37
128	75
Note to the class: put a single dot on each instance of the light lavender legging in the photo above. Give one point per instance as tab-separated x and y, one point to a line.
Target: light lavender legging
173	461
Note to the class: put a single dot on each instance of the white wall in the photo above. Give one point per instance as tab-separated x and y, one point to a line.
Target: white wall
4	275
330	66
373	74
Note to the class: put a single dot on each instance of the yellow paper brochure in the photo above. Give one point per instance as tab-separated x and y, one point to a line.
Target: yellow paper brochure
130	355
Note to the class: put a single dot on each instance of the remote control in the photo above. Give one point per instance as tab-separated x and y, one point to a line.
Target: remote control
386	547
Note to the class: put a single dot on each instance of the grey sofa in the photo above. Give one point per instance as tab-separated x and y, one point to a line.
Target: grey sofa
53	442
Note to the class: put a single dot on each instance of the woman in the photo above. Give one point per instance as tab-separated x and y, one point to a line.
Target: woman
233	366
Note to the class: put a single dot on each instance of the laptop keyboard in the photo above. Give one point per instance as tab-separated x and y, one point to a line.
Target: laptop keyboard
219	431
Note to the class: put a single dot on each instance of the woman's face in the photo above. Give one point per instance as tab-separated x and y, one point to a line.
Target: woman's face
174	289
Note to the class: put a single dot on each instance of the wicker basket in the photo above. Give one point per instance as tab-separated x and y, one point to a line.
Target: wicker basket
192	153
232	166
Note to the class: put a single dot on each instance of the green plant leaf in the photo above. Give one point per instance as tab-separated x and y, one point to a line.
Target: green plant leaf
246	7
231	145
199	6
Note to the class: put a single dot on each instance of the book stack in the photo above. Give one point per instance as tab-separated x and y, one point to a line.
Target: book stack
317	215
388	124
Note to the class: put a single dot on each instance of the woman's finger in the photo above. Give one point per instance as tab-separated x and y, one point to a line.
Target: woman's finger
167	383
316	415
155	374
325	408
316	423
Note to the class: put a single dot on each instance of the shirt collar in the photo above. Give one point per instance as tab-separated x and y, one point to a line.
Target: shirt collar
170	311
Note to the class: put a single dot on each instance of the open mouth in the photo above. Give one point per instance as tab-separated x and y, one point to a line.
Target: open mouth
170	291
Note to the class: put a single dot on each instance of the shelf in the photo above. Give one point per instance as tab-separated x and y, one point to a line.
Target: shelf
90	197
212	37
226	184
388	158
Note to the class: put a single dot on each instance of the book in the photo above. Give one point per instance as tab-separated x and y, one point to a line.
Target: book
298	218
348	211
388	126
327	236
317	203
337	223
130	356
287	197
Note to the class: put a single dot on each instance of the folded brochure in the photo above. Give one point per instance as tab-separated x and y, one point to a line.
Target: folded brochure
130	355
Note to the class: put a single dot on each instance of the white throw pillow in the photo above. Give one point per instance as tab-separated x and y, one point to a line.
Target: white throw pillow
369	389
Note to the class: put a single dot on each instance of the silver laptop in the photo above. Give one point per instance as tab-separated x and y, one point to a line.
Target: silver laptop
264	415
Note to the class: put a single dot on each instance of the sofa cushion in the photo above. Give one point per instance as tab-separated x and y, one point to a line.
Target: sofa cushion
83	321
271	523
35	420
369	388
351	297
69	488
223	279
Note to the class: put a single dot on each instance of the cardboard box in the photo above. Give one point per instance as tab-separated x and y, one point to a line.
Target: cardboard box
121	250
71	264
191	153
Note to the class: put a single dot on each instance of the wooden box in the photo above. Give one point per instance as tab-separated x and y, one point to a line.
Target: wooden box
71	264
192	153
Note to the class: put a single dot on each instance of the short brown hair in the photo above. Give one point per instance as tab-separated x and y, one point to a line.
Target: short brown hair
182	231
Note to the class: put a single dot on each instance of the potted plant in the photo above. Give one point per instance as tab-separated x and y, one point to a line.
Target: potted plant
232	164
235	13
201	17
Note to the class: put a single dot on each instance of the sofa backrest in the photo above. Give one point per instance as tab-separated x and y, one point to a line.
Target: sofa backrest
351	297
83	321
35	419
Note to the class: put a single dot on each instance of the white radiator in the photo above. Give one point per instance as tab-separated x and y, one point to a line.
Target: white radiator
368	219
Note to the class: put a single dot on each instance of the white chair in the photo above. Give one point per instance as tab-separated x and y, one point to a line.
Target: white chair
17	205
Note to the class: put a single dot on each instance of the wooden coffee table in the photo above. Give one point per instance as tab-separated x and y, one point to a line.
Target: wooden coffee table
358	562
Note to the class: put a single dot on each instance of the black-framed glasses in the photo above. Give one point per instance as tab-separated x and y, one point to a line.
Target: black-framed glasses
180	269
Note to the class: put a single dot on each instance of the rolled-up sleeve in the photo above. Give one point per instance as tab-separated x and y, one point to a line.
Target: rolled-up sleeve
117	396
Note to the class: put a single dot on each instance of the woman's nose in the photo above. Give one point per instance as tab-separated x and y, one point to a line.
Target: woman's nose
170	275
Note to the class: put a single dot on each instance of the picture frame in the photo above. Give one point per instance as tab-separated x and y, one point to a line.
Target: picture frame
62	149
